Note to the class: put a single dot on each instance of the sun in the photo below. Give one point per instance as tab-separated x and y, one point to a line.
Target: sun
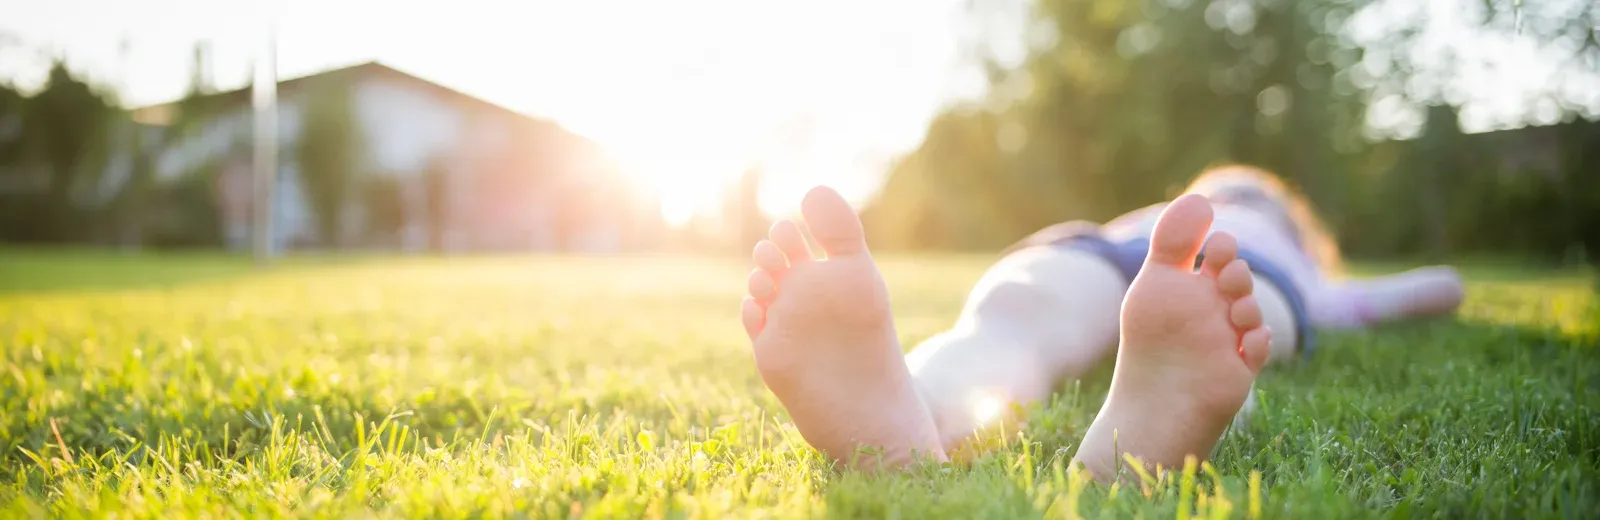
681	201
689	170
683	187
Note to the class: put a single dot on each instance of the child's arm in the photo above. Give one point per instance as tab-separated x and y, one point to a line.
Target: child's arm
1418	293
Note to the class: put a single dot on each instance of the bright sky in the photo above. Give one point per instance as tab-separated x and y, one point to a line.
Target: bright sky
686	94
1506	80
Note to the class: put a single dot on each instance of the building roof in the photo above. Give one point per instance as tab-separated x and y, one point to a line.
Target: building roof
162	112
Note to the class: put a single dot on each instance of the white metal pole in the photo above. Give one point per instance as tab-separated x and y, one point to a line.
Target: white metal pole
265	103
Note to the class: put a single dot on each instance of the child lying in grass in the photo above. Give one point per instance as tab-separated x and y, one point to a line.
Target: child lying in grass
1205	290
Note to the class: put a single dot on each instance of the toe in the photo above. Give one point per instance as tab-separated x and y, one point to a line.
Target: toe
769	258
1234	281
833	223
1221	248
1254	347
1180	231
753	316
762	286
1245	314
787	236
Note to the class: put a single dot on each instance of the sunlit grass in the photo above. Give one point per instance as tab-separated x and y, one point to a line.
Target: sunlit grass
550	387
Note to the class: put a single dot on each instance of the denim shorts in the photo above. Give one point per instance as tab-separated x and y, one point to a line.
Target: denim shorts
1128	256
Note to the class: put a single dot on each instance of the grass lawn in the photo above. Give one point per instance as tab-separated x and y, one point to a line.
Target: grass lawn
562	387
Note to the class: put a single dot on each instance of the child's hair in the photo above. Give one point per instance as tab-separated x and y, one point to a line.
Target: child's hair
1254	187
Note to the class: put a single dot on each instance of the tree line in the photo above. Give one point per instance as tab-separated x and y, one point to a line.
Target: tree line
76	167
1116	105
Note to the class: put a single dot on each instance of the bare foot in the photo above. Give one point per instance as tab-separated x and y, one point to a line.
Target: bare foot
1192	343
825	343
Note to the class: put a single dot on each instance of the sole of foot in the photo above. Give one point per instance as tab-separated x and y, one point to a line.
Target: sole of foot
1191	345
824	341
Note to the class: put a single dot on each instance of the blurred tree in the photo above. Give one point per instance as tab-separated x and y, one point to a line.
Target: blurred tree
329	154
21	183
384	205
62	128
1114	105
435	192
14	176
127	213
1582	148
185	211
951	192
180	210
1123	104
1518	189
1434	162
13	106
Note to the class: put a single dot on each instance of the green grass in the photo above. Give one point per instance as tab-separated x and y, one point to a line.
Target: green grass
551	388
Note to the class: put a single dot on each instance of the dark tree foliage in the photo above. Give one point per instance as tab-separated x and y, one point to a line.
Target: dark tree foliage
329	151
1119	104
51	162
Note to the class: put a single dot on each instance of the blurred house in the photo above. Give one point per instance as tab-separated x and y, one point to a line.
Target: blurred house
436	169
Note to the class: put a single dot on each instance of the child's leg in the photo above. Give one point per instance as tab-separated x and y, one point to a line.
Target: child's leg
1424	292
1037	317
1276	314
1418	293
